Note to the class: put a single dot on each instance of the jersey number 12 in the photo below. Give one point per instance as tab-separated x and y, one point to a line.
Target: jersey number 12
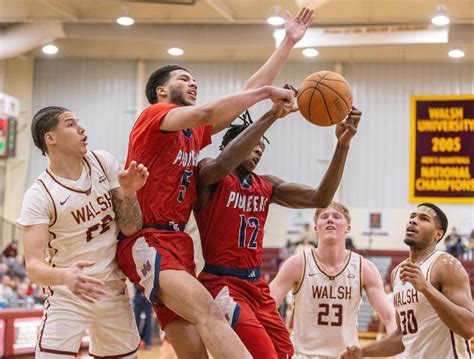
251	222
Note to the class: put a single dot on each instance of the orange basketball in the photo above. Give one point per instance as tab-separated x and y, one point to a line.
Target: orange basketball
325	98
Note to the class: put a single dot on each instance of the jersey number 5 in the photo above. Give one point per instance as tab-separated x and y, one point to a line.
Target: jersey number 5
183	186
251	222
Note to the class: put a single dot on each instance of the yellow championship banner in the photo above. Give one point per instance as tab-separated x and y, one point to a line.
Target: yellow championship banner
442	149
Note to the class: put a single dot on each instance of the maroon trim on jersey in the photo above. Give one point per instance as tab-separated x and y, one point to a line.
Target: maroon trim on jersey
331	277
360	274
394	273
40	338
428	271
85	191
427	257
115	356
55	213
468	348
302	275
100	164
453	343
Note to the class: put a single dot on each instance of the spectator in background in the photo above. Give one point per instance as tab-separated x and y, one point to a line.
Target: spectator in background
470	246
307	233
286	251
306	244
349	244
7	294
17	268
454	244
10	253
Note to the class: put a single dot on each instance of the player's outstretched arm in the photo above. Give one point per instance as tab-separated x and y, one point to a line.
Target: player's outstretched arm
213	170
390	345
372	283
221	112
288	277
296	195
124	198
35	241
295	28
452	301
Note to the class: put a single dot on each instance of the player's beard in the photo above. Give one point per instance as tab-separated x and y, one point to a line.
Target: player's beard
409	242
177	97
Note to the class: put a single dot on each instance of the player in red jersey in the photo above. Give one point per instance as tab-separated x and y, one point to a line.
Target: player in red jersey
231	211
167	138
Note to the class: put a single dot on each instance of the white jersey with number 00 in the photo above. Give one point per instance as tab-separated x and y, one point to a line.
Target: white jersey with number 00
79	214
326	308
424	335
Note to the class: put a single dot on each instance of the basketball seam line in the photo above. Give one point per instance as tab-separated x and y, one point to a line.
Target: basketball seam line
325	104
311	100
340	81
330	88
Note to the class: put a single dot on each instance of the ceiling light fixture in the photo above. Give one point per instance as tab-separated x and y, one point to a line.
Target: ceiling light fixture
456	53
310	52
440	18
125	19
50	49
175	51
275	18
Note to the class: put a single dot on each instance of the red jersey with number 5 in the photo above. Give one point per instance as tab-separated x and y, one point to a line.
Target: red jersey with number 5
231	225
171	158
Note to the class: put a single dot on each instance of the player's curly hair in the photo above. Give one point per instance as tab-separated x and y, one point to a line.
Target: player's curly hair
441	217
44	121
235	130
159	78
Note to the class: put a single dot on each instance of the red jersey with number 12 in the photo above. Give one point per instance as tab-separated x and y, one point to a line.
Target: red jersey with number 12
231	225
171	158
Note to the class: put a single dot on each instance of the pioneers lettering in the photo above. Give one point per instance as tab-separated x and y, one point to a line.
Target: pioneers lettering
186	159
247	203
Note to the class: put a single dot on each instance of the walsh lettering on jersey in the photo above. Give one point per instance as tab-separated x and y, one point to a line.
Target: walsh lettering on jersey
247	203
323	292
91	210
405	297
186	159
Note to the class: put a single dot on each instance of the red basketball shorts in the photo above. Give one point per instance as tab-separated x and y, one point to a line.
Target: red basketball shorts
259	324
142	257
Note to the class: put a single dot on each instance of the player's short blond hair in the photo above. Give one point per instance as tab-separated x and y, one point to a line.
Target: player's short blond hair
338	207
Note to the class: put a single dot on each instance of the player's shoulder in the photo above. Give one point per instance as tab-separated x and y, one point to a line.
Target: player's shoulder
99	155
296	261
37	189
447	268
367	264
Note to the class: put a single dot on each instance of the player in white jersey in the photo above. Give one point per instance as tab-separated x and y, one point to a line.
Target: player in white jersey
71	217
327	285
432	296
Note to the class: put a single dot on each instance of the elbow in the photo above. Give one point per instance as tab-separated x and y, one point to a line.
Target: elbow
321	200
130	231
204	115
468	331
31	273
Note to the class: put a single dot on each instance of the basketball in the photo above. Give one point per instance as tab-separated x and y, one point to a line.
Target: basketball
325	98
